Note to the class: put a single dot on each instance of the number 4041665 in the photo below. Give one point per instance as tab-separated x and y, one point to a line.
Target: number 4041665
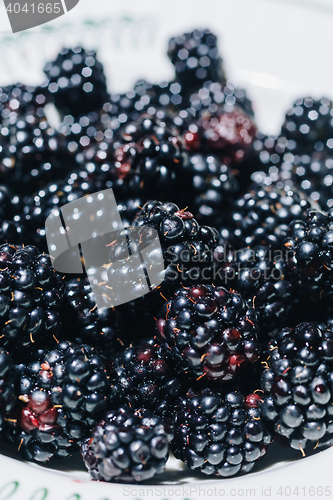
38	8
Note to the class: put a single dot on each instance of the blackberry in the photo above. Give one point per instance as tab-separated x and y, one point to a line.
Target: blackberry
214	94
307	123
219	434
308	245
262	215
215	186
102	328
32	153
147	380
209	332
297	385
62	395
196	59
186	246
7	385
127	446
226	133
31	294
151	157
76	81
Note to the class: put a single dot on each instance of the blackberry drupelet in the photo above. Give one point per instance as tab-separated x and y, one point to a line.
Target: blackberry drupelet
127	446
7	385
63	395
309	243
196	59
31	293
147	380
76	81
32	153
219	434
215	186
187	247
209	332
297	385
102	328
262	215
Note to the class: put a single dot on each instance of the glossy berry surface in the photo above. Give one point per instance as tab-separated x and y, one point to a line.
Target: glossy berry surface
31	293
76	81
196	58
146	379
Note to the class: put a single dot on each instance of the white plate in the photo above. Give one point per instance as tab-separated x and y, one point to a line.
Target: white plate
278	51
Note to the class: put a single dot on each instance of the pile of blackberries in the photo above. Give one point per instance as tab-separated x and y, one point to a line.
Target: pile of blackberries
233	347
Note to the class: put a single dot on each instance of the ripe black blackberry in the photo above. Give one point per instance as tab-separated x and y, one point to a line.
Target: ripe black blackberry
209	332
76	81
196	59
147	380
219	433
102	328
150	155
262	215
308	244
31	294
32	153
214	185
307	123
297	385
187	247
127	446
7	385
62	395
213	94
